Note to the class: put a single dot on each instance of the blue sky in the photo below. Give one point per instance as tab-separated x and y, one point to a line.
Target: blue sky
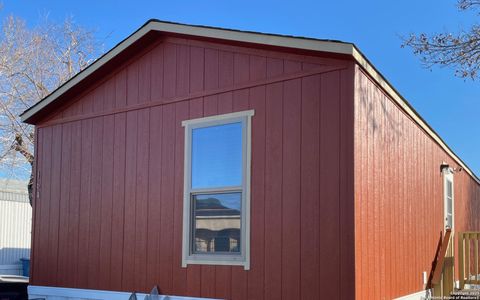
217	156
449	104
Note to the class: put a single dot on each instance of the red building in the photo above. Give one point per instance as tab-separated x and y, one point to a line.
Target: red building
237	165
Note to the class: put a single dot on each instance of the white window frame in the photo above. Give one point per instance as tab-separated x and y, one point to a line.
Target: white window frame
243	258
448	176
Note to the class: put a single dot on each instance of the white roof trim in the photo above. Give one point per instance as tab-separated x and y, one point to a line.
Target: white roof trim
256	38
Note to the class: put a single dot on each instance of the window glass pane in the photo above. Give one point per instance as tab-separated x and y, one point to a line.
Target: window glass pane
449	203
449	196
217	156
216	223
449	188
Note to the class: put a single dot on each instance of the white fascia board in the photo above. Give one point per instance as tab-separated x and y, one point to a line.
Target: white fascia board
256	38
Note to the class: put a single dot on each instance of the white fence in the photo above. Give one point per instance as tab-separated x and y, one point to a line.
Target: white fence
15	225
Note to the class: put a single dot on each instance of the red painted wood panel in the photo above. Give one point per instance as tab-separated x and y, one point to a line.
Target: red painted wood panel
146	75
179	274
84	202
183	86
66	159
329	181
399	197
36	184
273	190
194	271
388	259
257	252
145	78
156	73
154	190
347	173
240	102
167	196
310	231
360	137
133	84
95	204
169	70
124	193
258	71
118	210
106	201
196	69
44	213
54	207
74	207
292	108
121	89
128	275
141	198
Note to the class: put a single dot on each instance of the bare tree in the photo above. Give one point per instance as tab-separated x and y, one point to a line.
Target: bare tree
460	50
33	63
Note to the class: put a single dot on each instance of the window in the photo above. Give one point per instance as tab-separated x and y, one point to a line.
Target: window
448	198
216	225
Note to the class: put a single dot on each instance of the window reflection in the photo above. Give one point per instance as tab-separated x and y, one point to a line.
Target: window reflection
217	222
217	156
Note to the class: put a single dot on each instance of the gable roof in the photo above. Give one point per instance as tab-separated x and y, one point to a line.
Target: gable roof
275	40
329	46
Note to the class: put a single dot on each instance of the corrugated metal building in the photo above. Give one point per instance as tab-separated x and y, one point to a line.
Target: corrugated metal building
15	225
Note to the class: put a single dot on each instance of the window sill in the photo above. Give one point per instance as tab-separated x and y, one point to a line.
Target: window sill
216	261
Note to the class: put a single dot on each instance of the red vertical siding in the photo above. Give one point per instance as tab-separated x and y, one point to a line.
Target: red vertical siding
118	210
154	189
84	203
347	183
240	103
179	274
291	184
167	193
128	278
63	255
310	230
122	145
257	254
95	204
107	202
74	207
194	271
273	190
399	196
141	199
329	179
